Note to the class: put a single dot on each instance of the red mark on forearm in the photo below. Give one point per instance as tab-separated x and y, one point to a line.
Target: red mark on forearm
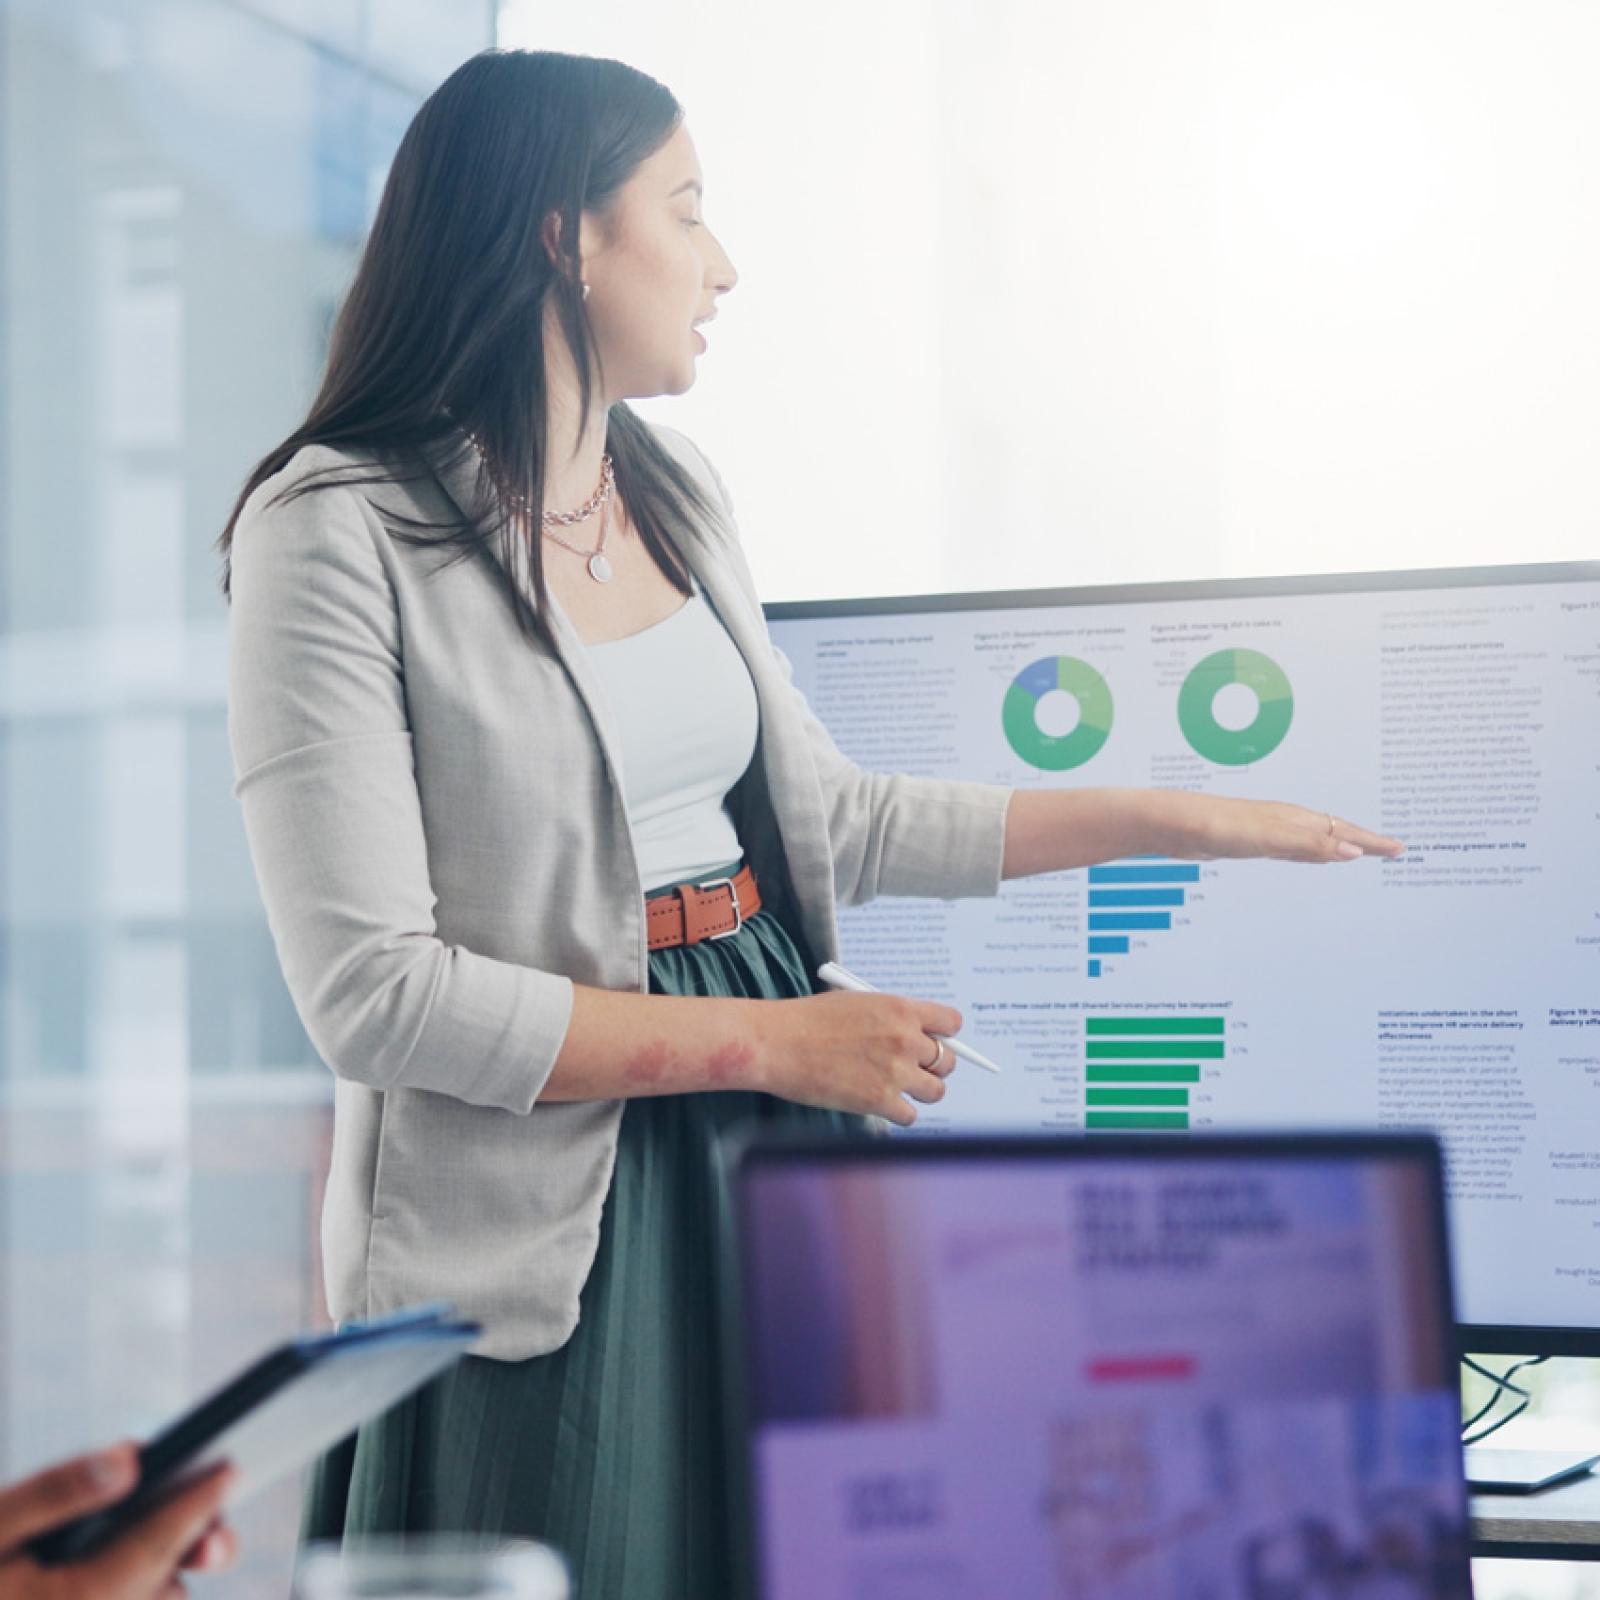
649	1066
726	1067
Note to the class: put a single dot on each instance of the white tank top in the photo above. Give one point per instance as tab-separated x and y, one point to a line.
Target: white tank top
686	715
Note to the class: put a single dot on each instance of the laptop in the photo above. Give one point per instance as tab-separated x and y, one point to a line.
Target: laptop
1076	1368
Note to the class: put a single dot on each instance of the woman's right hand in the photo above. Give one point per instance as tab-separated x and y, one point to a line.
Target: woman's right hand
856	1052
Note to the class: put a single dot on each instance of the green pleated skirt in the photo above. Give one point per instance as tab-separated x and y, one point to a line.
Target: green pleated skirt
612	1448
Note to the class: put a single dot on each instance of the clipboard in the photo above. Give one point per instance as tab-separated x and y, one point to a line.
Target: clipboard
277	1415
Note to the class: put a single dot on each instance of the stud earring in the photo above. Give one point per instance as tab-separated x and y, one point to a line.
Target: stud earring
586	291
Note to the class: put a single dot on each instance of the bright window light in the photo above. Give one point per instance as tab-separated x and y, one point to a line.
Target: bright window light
1104	293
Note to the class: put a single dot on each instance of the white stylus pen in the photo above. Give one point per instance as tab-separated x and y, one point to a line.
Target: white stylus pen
836	977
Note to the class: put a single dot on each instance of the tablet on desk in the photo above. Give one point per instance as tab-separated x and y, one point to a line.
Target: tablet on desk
278	1415
1497	1471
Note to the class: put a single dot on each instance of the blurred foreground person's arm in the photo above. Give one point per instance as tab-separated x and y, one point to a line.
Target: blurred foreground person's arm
143	1563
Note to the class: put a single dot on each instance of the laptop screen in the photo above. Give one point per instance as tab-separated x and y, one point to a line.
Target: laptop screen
1097	1370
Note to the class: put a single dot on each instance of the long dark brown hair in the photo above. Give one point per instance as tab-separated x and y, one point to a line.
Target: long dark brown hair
442	326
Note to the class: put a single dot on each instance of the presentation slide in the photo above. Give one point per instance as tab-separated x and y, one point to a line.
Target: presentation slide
1457	988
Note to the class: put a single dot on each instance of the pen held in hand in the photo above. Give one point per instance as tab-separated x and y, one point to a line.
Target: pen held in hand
836	977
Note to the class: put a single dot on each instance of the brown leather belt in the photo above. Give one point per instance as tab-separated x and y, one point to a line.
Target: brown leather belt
709	910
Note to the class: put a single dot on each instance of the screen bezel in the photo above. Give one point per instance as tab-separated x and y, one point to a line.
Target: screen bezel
1478	1337
746	1151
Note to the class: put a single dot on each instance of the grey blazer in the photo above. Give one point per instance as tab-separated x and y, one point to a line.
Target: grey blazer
434	814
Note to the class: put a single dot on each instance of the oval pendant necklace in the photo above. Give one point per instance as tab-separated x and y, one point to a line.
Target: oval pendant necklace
598	563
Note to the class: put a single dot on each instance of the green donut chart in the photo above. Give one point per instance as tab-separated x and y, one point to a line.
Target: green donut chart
1057	752
1235	747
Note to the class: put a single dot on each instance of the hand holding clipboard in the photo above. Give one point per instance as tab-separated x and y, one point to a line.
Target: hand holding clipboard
184	1534
275	1417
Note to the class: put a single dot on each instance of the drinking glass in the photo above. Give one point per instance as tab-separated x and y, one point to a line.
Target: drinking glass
432	1567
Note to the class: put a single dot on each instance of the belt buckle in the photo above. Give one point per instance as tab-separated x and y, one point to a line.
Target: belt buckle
733	895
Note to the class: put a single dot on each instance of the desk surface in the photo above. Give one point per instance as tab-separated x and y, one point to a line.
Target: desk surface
1561	1524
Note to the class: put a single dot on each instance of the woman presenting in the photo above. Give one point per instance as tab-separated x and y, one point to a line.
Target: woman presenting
548	842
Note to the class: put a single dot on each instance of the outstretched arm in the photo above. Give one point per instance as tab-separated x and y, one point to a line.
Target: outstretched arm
1050	830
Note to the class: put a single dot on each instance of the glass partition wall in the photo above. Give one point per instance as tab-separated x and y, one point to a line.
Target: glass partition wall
183	187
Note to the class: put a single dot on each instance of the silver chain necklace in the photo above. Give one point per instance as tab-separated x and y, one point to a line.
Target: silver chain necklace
598	562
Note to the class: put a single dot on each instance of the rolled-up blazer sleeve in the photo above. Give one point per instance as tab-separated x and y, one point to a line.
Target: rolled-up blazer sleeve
323	762
891	833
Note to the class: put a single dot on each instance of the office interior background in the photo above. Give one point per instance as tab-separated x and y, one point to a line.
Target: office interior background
1029	295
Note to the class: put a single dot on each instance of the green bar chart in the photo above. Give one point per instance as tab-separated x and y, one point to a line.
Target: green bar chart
1140	1071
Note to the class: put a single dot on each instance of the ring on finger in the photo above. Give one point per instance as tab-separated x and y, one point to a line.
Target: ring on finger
938	1056
1330	823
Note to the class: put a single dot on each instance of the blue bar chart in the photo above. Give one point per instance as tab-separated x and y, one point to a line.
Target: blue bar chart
1129	898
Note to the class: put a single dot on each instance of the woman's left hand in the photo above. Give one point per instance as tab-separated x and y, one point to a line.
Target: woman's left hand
1217	828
